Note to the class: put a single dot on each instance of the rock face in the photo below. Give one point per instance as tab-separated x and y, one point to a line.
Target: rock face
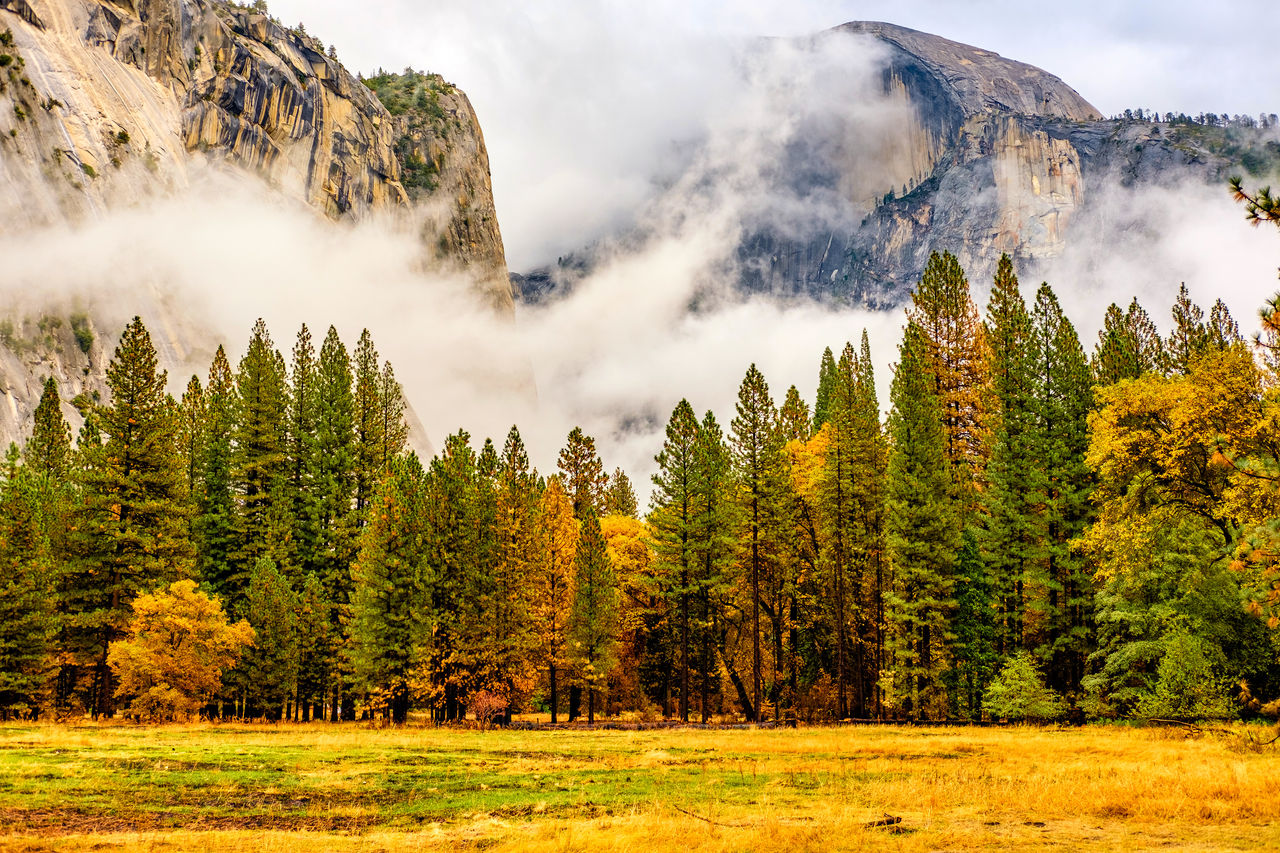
107	103
995	156
983	155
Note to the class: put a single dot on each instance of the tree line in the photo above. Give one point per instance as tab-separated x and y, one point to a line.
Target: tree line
1033	530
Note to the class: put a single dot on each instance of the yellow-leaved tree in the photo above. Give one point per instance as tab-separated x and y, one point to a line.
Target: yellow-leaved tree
170	663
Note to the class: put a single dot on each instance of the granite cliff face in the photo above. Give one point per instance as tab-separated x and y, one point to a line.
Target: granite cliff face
996	156
983	155
105	104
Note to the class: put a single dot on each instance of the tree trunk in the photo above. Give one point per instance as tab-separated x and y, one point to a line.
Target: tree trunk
575	702
555	710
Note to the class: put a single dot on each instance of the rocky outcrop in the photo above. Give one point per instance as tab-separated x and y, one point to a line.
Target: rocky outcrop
106	102
999	157
982	155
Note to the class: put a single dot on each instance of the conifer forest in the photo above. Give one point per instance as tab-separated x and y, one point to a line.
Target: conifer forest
1039	528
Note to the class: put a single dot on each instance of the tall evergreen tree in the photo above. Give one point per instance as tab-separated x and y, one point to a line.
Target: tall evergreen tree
793	417
268	673
368	416
213	529
516	532
1012	536
1063	399
583	473
757	448
394	430
191	438
672	525
924	527
593	618
1190	336
826	384
47	455
452	554
1115	355
958	360
28	590
388	604
300	451
1148	349
711	529
1222	329
259	464
132	532
620	496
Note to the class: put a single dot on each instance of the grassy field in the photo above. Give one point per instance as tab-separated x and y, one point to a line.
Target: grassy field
313	788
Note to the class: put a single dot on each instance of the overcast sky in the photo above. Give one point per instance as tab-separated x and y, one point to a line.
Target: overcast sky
581	101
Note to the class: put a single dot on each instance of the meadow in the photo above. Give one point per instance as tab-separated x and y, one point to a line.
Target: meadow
321	787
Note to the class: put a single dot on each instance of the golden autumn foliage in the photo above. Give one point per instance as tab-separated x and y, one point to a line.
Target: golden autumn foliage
1204	446
171	661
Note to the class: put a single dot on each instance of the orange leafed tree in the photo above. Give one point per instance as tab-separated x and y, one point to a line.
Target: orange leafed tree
170	663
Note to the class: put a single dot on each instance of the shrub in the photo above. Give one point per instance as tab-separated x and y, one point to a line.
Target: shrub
1018	692
84	334
1187	683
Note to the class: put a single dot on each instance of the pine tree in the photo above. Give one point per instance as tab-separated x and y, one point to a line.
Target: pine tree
516	535
1012	533
793	417
711	529
870	459
839	521
214	526
1148	349
958	360
583	472
191	438
826	382
368	416
47	455
1222	329
620	497
924	527
672	526
259	463
301	454
268	671
552	583
1189	337
394	430
334	479
316	647
1115	356
132	532
757	451
451	554
28	588
1063	400
593	617
389	598
49	477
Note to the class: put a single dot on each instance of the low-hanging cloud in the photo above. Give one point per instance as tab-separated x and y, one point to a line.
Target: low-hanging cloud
585	103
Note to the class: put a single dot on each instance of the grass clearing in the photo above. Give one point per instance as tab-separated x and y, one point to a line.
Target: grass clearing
320	787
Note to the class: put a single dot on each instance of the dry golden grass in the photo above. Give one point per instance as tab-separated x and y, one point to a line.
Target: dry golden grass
315	788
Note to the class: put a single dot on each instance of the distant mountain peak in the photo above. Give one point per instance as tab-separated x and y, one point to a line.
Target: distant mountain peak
978	80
